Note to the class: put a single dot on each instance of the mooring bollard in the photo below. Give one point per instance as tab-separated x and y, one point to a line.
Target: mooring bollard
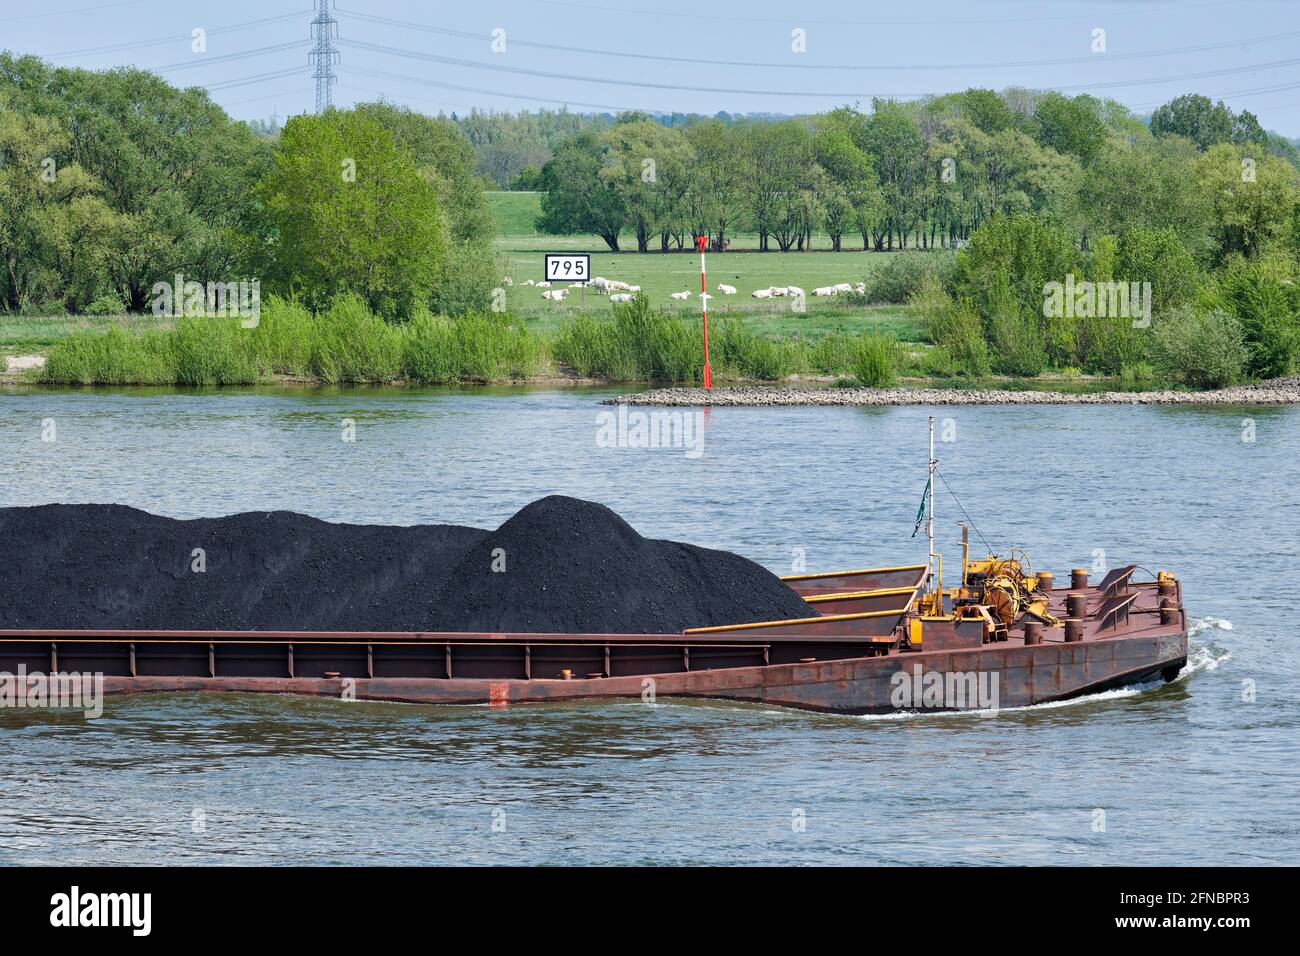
1079	578
1076	605
1045	580
1168	611
1073	630
1033	632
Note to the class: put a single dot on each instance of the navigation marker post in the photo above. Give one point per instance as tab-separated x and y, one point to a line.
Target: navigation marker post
702	242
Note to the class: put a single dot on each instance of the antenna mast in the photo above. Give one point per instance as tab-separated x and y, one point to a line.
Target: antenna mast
936	580
325	29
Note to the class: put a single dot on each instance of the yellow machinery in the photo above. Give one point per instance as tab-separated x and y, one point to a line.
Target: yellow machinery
1007	586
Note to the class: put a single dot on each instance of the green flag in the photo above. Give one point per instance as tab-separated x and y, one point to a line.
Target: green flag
920	512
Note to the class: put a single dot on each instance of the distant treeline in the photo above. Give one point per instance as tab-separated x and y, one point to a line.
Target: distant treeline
925	173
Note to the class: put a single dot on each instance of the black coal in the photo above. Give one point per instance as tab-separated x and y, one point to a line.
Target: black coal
559	565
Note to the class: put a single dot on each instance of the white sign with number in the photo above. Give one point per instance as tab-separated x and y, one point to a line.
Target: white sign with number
568	266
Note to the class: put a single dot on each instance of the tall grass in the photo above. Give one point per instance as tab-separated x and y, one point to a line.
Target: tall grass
638	344
349	344
875	361
345	344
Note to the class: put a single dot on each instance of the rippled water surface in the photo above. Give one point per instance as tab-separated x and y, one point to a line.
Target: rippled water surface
1192	772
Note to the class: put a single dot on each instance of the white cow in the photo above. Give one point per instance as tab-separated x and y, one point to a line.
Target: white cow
529	282
824	290
622	297
543	285
507	281
683	296
795	291
762	293
843	287
726	289
555	295
634	288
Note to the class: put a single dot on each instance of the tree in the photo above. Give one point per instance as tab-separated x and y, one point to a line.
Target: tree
1146	184
349	211
646	165
56	231
1072	126
1205	123
576	198
176	171
891	140
717	195
1253	197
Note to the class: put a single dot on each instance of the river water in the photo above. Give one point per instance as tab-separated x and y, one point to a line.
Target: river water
1201	771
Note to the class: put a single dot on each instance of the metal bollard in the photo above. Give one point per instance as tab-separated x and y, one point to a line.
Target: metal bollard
1076	605
1033	632
1073	630
1079	578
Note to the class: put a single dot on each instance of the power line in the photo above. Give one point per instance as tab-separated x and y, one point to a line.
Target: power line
838	94
384	74
659	13
274	75
547	74
64	13
186	38
859	67
228	57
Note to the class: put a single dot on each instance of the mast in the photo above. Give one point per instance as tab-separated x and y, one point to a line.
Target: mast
929	524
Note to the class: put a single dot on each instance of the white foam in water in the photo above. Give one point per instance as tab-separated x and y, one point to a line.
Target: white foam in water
1206	623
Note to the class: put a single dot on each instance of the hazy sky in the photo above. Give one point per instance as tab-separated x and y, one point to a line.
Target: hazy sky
733	55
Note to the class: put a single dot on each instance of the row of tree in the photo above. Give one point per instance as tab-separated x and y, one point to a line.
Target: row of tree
111	182
922	174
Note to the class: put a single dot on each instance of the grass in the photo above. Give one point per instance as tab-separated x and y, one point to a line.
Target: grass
345	345
659	275
20	334
515	212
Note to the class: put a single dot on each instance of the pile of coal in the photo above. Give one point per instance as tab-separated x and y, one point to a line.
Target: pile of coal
572	566
110	566
559	565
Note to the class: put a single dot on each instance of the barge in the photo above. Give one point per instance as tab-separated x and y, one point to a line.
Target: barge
881	640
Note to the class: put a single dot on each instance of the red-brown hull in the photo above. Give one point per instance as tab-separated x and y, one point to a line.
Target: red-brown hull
1025	675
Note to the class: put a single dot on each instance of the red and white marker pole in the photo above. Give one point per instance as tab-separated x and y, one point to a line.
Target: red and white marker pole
702	242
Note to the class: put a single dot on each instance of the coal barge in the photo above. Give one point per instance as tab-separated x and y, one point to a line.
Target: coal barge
882	640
